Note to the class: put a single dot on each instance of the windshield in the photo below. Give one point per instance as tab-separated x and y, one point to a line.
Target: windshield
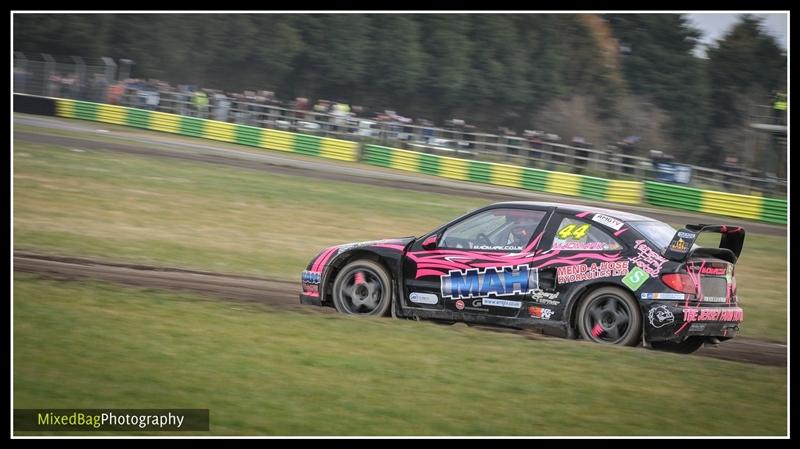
659	233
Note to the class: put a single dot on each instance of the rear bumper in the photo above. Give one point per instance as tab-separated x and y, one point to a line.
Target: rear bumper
673	322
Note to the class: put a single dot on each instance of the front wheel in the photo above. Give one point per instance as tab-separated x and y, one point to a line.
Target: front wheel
610	315
362	287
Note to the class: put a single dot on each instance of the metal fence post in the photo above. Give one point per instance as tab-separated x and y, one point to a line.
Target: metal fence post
21	64
111	69
49	68
80	68
125	69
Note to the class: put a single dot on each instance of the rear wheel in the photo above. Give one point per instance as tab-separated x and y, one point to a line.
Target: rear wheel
362	287
610	315
687	346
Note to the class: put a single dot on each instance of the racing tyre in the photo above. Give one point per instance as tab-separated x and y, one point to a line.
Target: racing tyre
363	287
610	315
687	346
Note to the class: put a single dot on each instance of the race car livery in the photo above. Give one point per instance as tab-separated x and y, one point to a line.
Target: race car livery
574	271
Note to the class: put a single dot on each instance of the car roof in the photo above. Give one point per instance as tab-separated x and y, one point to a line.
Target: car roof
578	208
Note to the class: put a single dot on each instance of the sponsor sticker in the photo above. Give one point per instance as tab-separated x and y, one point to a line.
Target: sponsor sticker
540	312
711	271
660	316
693	314
460	305
423	298
502	303
477	304
635	278
605	220
647	259
583	246
311	277
687	235
585	272
544	297
664	296
714	299
498	247
679	246
502	281
697	327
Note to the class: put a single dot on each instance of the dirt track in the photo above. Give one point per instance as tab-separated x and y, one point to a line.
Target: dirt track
284	294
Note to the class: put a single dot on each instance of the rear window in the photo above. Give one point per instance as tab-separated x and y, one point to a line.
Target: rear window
657	232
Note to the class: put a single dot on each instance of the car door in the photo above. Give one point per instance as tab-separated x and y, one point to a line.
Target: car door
576	251
478	264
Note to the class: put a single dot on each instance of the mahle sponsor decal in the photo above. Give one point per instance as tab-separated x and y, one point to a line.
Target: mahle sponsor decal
612	223
423	298
503	281
635	278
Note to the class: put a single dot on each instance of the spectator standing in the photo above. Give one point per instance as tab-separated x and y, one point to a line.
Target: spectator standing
201	103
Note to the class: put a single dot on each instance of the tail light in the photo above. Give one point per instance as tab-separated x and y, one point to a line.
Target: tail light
679	282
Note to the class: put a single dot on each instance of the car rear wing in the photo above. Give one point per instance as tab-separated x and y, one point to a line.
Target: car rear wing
730	243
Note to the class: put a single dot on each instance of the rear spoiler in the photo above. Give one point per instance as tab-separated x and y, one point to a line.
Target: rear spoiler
730	244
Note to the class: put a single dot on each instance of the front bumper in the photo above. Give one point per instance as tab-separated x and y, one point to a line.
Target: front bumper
673	322
309	299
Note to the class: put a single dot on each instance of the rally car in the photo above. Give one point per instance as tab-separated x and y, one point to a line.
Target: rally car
573	271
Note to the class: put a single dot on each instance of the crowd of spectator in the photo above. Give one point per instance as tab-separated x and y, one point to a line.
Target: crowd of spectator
249	107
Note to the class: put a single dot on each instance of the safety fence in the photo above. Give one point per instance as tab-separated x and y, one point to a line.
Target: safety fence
505	175
629	192
209	129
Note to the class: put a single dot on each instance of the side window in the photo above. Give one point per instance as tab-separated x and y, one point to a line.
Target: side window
494	230
573	234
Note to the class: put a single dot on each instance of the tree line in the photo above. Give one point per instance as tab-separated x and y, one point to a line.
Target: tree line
490	69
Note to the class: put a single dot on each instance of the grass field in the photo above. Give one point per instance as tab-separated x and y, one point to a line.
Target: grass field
267	371
92	203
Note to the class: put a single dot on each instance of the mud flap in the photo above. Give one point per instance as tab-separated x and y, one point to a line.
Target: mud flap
645	344
395	302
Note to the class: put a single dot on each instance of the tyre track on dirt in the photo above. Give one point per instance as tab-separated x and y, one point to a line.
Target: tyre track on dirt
284	294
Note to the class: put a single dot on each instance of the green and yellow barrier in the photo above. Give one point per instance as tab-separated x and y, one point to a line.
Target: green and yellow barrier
716	203
343	150
629	192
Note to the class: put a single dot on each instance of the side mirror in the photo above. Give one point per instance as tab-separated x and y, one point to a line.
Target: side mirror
430	242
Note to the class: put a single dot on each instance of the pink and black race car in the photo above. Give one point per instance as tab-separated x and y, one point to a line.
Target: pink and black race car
573	271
